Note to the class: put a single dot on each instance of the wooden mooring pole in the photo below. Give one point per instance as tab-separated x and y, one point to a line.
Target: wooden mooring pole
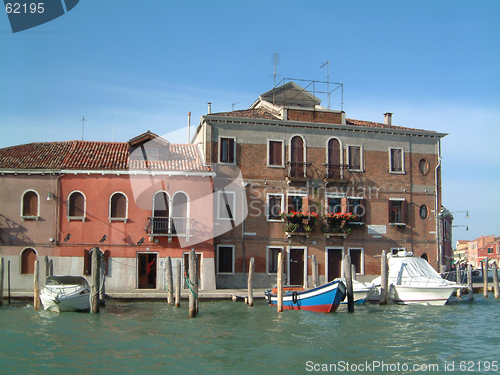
469	282
170	282
94	292
495	279
8	278
348	279
459	279
251	267
279	302
384	274
485	278
1	281
178	285
191	283
36	286
314	265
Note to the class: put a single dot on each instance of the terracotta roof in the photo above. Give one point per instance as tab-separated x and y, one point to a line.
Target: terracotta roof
248	113
371	124
88	155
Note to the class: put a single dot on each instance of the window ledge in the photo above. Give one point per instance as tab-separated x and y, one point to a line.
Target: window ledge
23	218
276	166
72	218
396	172
124	219
401	225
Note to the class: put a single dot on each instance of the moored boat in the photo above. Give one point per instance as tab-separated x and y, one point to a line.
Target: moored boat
325	298
361	291
414	281
65	293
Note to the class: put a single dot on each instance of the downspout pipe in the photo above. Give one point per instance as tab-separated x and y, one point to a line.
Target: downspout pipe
437	208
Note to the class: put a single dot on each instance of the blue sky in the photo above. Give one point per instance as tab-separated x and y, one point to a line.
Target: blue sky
129	66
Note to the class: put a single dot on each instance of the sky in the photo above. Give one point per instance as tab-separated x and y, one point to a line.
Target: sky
131	66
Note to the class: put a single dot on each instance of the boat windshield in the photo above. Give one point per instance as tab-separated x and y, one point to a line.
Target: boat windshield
66	280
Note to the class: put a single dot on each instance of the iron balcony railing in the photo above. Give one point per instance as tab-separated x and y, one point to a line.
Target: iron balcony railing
170	226
335	171
298	170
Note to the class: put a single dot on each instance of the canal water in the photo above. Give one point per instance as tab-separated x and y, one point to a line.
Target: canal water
231	338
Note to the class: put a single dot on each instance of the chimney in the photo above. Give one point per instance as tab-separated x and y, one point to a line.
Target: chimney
209	108
388	118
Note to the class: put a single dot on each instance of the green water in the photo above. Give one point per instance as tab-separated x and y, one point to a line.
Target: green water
232	338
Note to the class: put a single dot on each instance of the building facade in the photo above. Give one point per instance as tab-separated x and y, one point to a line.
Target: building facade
138	202
320	185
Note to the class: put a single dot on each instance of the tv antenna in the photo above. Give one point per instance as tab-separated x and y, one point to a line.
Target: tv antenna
275	69
83	124
327	80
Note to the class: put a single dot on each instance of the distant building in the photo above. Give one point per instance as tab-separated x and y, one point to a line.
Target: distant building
473	247
460	252
297	156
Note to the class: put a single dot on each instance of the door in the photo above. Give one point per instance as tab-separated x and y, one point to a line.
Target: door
296	266
297	157
333	171
147	270
334	264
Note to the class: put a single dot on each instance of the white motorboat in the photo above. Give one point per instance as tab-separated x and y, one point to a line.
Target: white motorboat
65	293
412	280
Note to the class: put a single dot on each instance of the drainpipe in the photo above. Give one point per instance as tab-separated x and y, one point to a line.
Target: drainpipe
438	216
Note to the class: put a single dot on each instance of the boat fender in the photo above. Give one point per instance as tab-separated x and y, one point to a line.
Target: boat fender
269	298
294	298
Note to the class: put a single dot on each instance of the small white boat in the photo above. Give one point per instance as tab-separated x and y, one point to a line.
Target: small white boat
412	280
65	293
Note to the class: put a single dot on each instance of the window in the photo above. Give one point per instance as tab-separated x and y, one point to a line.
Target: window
297	157
227	150
76	206
275	153
30	205
333	166
272	259
357	206
87	261
357	259
334	205
118	207
274	207
423	166
161	213
227	204
398	211
396	160
396	250
225	259
180	214
28	257
424	212
355	158
297	202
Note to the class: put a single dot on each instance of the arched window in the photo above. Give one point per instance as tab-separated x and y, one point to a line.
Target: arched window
334	160
180	214
118	207
87	261
160	223
76	206
28	257
424	256
297	165
30	205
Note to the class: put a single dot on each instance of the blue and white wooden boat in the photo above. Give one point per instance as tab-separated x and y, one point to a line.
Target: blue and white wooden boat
325	298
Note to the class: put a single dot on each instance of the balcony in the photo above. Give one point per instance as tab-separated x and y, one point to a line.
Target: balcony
297	171
169	226
335	173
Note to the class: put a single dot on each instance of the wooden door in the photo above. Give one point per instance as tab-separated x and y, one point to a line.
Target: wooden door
333	170
334	264
147	271
296	266
297	157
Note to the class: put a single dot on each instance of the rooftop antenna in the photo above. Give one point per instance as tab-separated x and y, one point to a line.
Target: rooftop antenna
83	121
275	67
327	80
232	109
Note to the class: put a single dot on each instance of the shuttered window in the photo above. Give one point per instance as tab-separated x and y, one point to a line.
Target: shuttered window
76	205
398	211
118	206
275	153
30	204
275	206
28	258
396	160
355	158
227	150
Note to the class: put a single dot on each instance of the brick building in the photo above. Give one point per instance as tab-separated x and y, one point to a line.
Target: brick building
306	170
